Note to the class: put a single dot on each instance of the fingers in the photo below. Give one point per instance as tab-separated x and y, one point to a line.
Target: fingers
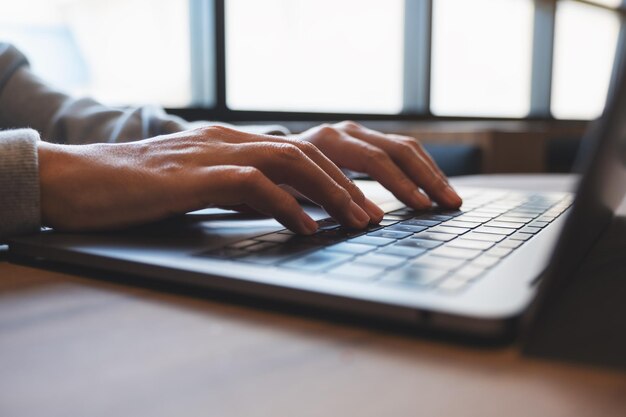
364	157
321	161
285	163
413	160
233	185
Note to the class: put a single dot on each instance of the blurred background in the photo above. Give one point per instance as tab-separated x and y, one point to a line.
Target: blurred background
484	79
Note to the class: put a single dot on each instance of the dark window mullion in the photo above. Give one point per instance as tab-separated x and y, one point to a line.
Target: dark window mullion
220	56
542	58
417	56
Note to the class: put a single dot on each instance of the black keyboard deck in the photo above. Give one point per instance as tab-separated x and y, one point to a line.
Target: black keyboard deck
442	249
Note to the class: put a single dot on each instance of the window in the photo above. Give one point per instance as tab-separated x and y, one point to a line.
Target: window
585	45
481	62
315	55
119	51
300	59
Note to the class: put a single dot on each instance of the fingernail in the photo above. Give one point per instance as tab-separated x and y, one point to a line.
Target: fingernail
376	214
308	224
421	200
453	197
359	216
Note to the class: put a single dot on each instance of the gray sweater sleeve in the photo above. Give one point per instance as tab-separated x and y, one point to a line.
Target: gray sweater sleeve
19	183
29	108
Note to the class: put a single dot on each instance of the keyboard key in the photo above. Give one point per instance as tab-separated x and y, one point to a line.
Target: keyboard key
259	246
482	214
356	272
493	230
464	224
224	253
385	222
510	244
428	235
451	252
400	227
278	253
420	243
331	236
522	220
371	240
422	222
395	218
318	261
470	272
440	217
438	262
486	237
276	238
485	261
405	251
530	230
351	248
487	212
404	211
471	218
506	225
521	236
390	234
452	213
413	276
327	224
499	252
242	244
386	261
521	215
538	223
450	230
546	219
470	244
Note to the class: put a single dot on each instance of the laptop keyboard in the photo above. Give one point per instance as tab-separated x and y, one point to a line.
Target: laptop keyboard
446	250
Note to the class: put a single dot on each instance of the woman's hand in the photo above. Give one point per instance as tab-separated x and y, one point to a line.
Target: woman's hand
397	162
105	186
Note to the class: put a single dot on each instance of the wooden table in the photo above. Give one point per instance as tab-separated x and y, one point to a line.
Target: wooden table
75	346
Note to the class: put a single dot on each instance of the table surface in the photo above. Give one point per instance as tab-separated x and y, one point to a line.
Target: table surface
76	346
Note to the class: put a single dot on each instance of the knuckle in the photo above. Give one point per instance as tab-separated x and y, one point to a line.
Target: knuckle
248	177
350	125
414	141
356	192
341	197
375	155
407	140
216	130
438	182
404	148
329	131
308	148
288	152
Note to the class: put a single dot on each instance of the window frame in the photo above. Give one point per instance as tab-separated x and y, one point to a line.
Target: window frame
208	63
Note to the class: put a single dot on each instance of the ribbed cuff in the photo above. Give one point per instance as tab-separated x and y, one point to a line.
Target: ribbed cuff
20	211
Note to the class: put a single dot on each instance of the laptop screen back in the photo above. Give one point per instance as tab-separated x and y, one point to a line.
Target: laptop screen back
602	188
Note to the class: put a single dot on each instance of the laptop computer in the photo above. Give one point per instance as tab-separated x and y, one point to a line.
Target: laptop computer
473	270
